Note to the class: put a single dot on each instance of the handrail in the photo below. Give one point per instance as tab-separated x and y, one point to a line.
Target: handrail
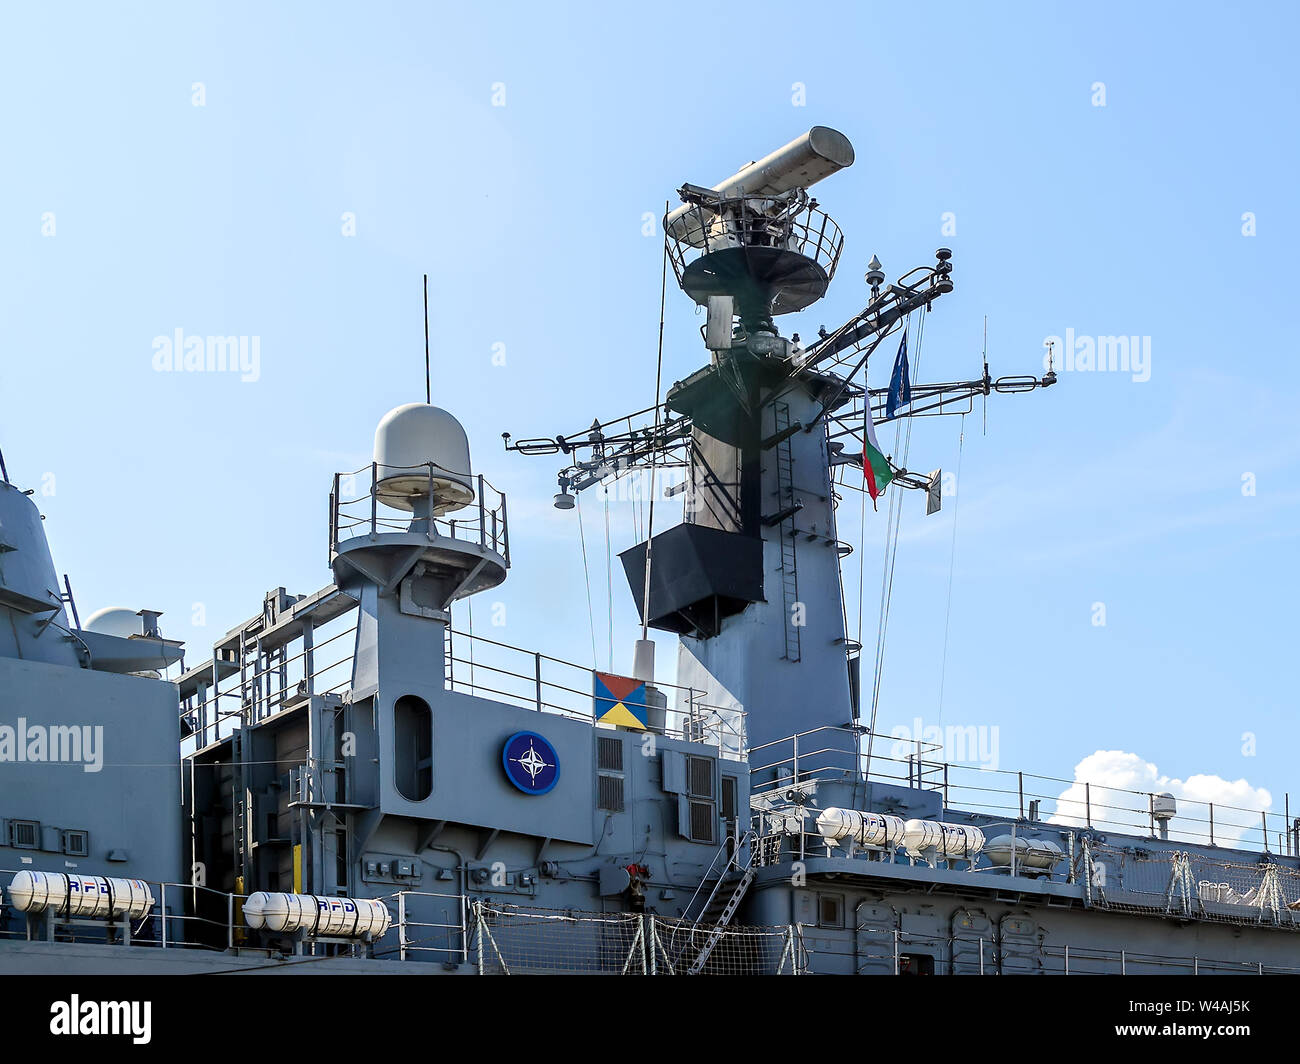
159	916
725	727
1081	804
362	515
721	851
403	923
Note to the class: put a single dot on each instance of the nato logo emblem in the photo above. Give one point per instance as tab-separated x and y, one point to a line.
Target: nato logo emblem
531	762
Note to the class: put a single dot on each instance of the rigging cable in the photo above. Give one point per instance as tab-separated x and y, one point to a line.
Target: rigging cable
659	369
862	570
886	598
609	577
894	520
586	572
952	558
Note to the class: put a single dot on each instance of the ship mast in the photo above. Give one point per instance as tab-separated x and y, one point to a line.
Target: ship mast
750	580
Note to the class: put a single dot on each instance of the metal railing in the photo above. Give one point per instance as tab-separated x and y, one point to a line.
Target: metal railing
827	754
476	933
366	510
894	951
262	685
474	664
418	939
175	922
797	224
509	940
830	753
480	666
172	923
431	927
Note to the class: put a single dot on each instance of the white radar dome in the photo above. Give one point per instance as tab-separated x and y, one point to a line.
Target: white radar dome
407	441
115	620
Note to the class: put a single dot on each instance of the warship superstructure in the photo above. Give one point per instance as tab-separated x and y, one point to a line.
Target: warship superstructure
351	783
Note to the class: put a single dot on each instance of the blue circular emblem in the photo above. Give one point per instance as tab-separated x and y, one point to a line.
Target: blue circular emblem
531	762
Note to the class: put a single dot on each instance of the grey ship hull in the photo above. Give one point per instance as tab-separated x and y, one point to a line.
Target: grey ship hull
966	925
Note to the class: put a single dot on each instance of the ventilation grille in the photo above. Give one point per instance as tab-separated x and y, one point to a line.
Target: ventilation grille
729	797
25	834
701	777
702	819
76	843
609	753
609	793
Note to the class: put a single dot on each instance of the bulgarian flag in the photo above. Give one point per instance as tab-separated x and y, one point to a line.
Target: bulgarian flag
875	467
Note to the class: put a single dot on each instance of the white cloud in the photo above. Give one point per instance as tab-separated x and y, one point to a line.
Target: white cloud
1112	774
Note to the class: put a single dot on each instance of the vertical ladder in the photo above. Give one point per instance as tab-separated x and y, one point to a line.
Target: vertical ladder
249	655
785	498
238	809
66	598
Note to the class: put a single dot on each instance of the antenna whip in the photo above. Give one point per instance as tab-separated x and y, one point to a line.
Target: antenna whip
659	369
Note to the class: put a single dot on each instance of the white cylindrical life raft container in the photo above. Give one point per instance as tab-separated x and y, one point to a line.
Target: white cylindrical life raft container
1030	853
866	829
317	914
80	896
947	841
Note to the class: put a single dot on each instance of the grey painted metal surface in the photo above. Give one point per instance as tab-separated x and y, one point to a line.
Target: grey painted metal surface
35	625
340	744
108	767
785	684
90	782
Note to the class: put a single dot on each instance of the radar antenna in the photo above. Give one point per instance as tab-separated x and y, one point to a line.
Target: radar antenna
752	248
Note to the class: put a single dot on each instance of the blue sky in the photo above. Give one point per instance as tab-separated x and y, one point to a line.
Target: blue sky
174	489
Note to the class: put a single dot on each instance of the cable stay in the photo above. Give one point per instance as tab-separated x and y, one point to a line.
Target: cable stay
894	518
952	561
586	572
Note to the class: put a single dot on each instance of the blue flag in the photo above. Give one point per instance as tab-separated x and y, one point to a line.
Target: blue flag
900	387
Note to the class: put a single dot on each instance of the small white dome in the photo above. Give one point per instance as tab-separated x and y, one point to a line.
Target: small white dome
115	620
407	440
